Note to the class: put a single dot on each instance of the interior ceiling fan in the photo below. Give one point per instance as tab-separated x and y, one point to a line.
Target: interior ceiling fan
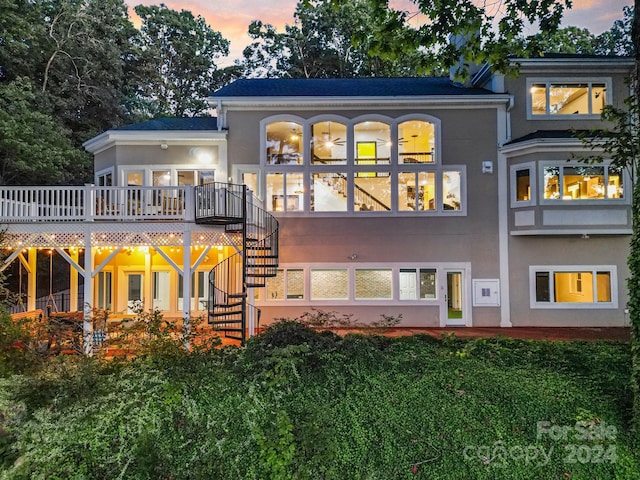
332	141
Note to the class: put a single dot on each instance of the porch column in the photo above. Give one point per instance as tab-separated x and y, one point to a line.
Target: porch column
73	282
186	284
87	324
147	287
31	278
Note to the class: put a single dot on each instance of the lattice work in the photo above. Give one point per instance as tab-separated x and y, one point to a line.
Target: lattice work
169	239
116	239
43	240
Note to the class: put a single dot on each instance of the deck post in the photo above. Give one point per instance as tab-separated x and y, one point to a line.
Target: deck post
31	278
186	286
87	324
73	282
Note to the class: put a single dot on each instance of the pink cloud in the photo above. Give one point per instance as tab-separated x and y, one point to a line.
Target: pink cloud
233	18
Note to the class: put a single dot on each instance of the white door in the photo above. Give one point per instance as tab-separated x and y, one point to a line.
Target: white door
408	284
161	291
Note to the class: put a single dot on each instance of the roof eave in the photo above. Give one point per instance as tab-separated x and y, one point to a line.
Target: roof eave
409	100
112	138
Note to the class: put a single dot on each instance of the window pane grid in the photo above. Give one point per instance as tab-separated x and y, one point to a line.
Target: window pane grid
583	183
573	286
568	98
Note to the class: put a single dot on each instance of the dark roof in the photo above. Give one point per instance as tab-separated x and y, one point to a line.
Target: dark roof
548	134
345	87
167	123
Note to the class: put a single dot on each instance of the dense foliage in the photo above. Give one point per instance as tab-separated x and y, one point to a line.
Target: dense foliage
296	403
320	44
80	67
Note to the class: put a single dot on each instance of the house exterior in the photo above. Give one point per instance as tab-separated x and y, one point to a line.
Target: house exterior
448	204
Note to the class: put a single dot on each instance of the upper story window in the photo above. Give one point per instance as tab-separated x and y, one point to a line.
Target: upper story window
284	143
416	142
368	164
372	141
563	99
583	182
328	143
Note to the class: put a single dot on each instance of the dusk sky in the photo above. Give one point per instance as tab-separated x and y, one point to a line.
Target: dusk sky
232	18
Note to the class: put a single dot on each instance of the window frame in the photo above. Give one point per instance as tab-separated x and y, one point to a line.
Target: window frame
548	81
579	201
395	268
531	166
352	167
553	269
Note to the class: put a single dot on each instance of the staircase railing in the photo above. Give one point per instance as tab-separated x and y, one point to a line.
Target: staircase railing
233	206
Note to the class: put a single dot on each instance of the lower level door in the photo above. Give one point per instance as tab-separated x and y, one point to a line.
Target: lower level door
454	298
134	292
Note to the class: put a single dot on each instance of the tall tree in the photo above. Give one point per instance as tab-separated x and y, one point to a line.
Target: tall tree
491	33
620	144
180	54
78	57
34	150
571	40
320	45
617	40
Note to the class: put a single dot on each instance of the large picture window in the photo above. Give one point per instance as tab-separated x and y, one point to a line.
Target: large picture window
573	286
551	98
368	164
583	182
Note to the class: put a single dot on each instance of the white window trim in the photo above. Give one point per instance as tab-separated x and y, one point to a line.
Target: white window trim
351	300
592	202
551	269
104	173
239	170
350	168
549	80
531	166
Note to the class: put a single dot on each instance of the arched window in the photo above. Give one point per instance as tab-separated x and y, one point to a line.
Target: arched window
328	143
372	143
416	142
284	143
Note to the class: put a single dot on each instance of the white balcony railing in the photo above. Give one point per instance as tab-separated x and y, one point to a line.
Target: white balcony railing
91	203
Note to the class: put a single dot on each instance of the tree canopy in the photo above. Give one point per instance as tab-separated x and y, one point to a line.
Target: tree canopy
179	54
320	44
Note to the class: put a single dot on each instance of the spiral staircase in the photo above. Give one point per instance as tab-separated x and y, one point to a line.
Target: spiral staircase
256	257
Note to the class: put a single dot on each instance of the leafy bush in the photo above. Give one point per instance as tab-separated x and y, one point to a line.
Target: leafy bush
23	343
321	406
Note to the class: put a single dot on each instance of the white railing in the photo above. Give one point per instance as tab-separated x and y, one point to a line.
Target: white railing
91	203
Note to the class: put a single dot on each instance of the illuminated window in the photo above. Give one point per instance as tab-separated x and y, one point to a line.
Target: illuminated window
583	182
552	98
372	142
451	190
573	285
376	165
417	191
329	192
416	142
285	192
287	284
284	143
372	191
523	185
328	143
